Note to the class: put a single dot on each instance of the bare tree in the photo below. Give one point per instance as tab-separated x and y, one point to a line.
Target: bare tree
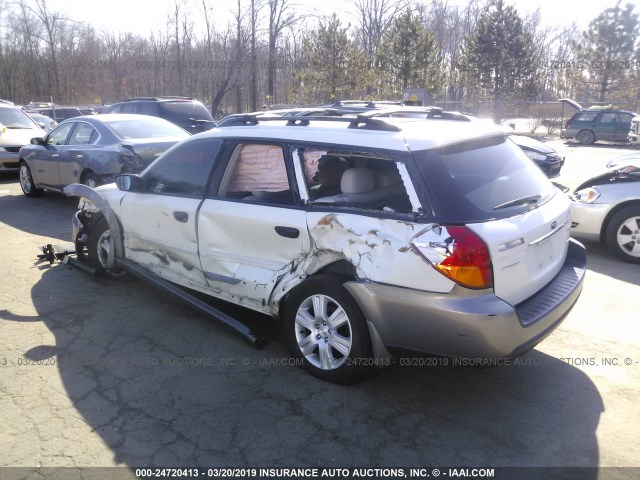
375	17
51	21
281	16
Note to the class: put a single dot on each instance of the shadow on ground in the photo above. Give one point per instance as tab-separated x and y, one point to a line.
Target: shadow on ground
52	220
163	386
601	260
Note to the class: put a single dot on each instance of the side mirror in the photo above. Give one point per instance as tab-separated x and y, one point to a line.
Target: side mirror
42	125
129	183
37	141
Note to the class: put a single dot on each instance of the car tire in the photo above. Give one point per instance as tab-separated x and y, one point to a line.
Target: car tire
27	184
91	180
332	343
97	251
623	234
586	137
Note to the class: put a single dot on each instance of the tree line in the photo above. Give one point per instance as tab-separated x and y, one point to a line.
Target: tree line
271	51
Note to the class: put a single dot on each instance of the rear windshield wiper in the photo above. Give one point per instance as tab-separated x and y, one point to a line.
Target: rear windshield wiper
519	201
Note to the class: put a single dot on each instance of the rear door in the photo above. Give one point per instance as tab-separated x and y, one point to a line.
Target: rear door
77	156
251	229
606	125
164	239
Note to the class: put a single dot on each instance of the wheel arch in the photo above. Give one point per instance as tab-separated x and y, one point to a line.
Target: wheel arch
338	269
610	215
80	190
86	171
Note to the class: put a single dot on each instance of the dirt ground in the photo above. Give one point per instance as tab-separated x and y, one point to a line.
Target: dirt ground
99	373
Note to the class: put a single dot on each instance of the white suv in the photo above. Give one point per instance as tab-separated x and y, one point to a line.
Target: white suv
634	131
366	237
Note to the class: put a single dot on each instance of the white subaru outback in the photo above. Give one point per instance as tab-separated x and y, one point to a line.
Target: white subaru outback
366	237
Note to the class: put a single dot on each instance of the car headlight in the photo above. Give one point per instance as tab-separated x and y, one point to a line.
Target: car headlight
586	195
535	155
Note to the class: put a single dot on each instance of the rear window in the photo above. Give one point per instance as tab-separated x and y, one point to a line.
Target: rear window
181	111
584	117
477	181
146	127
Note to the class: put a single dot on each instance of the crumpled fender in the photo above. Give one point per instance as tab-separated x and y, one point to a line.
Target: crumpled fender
116	247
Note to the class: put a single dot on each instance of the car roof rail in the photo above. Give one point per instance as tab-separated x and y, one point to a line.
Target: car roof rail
362	121
430	112
155	99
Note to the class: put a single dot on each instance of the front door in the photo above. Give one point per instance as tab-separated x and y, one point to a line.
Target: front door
45	168
164	239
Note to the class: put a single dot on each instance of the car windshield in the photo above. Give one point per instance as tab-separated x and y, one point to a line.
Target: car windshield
146	127
15	119
482	180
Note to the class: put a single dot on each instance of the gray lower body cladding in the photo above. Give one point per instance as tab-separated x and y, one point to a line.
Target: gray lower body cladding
469	324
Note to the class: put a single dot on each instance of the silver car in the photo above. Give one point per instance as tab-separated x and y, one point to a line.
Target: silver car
606	208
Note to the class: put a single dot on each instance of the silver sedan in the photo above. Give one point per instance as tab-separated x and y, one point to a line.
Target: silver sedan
606	208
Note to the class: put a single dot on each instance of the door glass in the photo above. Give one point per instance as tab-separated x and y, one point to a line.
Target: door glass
608	119
60	134
257	172
84	134
354	179
183	170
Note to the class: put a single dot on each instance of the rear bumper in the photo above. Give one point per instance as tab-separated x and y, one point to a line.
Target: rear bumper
465	323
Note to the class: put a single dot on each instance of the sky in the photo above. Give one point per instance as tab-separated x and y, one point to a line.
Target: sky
142	17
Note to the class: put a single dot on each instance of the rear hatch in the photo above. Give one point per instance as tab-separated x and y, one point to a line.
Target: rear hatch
191	115
491	187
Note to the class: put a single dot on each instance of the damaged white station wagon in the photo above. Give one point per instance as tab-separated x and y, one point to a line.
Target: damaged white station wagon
367	237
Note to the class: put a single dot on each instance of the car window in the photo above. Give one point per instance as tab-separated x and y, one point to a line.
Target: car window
128	108
608	118
145	127
625	118
257	172
182	110
83	134
183	170
353	179
147	108
15	119
115	109
476	181
60	134
585	117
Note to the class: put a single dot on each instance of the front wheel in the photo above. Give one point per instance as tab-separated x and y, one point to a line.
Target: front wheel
326	330
27	184
623	234
98	248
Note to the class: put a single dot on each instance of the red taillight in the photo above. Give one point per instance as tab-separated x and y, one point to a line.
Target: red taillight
463	257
